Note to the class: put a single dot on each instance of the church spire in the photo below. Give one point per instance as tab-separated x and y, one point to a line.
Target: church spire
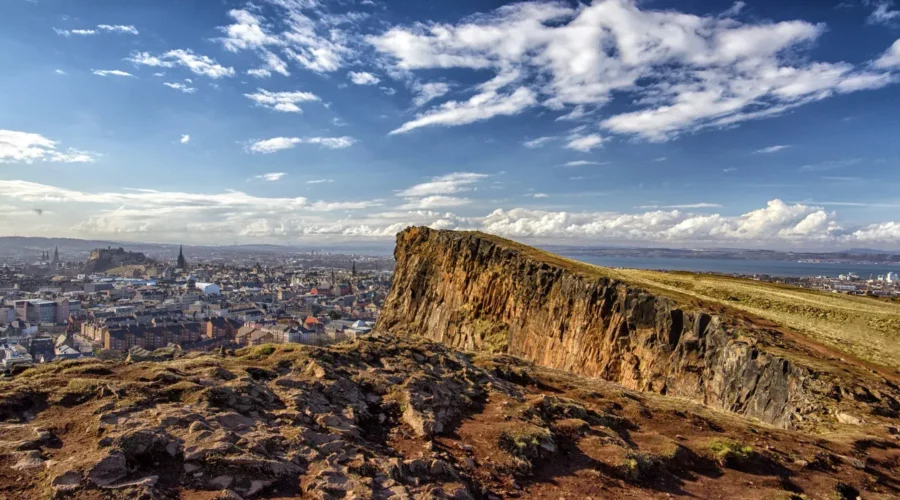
181	263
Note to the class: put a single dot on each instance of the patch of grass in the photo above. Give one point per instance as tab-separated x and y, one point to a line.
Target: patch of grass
256	352
729	453
637	466
866	328
527	441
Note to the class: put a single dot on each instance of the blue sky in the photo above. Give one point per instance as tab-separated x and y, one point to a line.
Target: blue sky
694	124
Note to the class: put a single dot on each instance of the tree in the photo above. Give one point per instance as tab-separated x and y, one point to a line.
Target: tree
334	315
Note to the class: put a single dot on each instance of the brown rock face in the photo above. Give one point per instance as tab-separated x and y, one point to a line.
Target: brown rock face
477	292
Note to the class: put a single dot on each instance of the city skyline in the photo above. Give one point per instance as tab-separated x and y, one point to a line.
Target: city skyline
733	124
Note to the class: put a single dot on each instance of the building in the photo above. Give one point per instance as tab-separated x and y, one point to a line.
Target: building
181	263
43	349
209	288
892	277
36	310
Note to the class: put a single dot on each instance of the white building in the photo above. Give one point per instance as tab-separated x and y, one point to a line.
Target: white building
209	288
892	277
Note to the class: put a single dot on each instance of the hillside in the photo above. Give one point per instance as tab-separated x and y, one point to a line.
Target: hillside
648	331
388	417
496	371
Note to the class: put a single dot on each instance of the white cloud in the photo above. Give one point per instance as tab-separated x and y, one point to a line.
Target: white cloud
446	184
683	205
25	147
538	143
581	163
426	92
279	143
363	78
890	58
118	28
197	64
285	102
539	195
108	28
585	143
480	107
316	43
772	149
180	87
682	71
221	217
185	138
436	201
79	32
59	72
111	72
270	177
320	181
661	158
883	13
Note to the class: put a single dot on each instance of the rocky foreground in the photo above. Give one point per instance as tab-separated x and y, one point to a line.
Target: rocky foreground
400	417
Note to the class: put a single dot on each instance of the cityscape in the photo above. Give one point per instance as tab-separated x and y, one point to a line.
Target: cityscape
120	302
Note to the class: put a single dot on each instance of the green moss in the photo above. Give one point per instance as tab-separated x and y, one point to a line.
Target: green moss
494	336
256	352
727	452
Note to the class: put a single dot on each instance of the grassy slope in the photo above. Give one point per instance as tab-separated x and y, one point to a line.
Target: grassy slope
864	327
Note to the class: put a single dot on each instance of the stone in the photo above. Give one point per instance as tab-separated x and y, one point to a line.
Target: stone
221	482
67	481
109	469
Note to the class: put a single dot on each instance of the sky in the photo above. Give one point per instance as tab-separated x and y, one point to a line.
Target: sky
701	123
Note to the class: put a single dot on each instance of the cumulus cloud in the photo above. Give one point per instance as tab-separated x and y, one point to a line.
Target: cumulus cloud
285	102
684	72
222	216
26	147
363	78
279	143
196	63
111	72
185	138
180	87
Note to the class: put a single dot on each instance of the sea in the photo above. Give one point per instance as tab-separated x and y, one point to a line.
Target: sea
737	266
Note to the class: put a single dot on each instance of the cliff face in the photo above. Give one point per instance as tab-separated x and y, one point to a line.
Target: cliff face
478	292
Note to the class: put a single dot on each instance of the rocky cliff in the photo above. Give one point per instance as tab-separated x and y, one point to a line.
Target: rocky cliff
479	292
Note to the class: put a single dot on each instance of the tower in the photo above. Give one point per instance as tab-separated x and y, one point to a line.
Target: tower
181	263
353	269
56	256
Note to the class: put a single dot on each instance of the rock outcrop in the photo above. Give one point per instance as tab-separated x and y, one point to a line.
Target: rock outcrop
398	418
479	292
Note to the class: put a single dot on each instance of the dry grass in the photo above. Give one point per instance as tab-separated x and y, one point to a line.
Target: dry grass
866	328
